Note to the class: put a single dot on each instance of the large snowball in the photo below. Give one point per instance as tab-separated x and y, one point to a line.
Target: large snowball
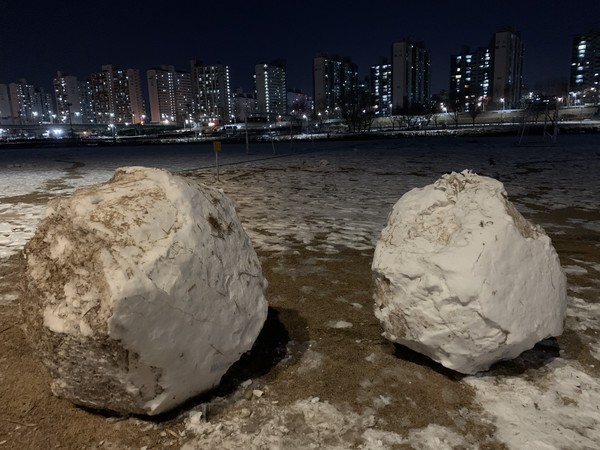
463	278
140	293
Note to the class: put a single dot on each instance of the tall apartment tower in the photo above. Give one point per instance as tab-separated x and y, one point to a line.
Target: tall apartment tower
585	66
335	82
470	79
507	69
410	75
28	104
270	90
211	91
117	95
86	96
170	94
5	108
380	86
67	97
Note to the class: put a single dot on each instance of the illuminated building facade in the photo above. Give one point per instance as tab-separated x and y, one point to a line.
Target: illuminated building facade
470	79
170	95
490	77
86	99
410	76
507	69
299	103
212	93
117	95
335	81
584	82
380	87
28	104
5	108
68	100
270	90
244	105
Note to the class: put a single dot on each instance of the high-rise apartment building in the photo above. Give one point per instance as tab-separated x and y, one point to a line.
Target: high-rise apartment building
584	82
211	91
117	95
86	99
335	81
5	108
270	90
68	100
299	103
470	79
170	94
28	104
507	69
380	87
490	77
410	76
243	104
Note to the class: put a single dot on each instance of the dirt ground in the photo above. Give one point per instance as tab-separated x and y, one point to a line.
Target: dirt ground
306	351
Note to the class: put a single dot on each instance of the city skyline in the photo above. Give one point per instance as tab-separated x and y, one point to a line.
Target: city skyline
77	38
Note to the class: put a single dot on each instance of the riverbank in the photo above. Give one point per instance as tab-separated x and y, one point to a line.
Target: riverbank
321	375
539	132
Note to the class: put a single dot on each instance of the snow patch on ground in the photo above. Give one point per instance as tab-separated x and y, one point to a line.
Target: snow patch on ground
559	410
575	270
17	225
310	424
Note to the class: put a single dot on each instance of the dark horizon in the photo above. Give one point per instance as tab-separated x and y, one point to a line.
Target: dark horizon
78	38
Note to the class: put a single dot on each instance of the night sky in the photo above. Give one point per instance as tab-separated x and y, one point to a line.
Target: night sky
78	37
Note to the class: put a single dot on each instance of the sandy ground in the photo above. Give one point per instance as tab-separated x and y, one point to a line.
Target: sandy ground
320	374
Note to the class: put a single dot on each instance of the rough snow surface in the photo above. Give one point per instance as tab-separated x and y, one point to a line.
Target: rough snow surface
147	284
559	409
311	424
292	199
463	278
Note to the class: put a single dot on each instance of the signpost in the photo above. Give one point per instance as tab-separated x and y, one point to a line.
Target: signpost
217	149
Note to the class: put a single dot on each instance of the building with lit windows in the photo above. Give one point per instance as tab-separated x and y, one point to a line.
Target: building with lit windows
243	104
212	93
86	99
507	69
68	100
335	81
490	77
28	104
470	79
5	108
270	90
410	76
117	95
584	80
380	87
170	95
299	103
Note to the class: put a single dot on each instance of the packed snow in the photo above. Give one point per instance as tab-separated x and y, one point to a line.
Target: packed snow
148	284
462	277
